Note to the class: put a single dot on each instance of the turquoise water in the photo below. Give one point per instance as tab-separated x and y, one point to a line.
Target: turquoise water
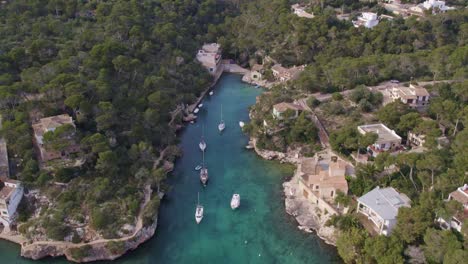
258	232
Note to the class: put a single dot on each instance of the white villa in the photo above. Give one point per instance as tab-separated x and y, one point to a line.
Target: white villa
456	222
210	57
300	11
367	19
414	96
387	139
436	6
380	206
11	193
281	108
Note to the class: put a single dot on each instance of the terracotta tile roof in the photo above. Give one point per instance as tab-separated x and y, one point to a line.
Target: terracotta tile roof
282	107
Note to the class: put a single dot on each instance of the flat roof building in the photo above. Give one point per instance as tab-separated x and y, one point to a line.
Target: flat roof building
381	208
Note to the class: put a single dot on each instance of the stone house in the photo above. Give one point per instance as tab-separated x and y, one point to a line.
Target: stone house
48	124
387	139
210	57
456	222
320	180
283	74
414	96
281	108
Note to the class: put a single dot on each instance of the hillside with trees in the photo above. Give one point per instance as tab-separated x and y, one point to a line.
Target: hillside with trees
118	68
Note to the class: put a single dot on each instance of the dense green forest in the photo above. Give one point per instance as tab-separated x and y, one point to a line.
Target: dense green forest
118	68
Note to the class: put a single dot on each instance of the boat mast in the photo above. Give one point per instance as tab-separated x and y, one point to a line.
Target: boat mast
221	113
198	199
203	162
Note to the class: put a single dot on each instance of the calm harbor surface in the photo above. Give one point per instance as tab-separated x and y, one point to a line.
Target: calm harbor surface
259	231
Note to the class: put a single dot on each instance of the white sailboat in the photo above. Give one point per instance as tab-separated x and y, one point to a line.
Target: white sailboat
204	172
221	125
241	124
198	211
235	201
202	144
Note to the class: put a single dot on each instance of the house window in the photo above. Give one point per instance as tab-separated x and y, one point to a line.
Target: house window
316	187
211	69
332	193
4	213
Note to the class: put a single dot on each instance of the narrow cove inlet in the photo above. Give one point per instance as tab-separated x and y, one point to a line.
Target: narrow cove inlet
259	231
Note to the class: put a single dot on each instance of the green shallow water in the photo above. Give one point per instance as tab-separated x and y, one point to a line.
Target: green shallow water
258	232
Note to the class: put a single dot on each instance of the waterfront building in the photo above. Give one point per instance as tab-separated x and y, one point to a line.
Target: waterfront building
380	206
367	19
320	180
456	221
11	193
210	57
50	124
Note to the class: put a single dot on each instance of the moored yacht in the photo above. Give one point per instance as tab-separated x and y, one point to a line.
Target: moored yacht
199	211
221	125
204	172
235	201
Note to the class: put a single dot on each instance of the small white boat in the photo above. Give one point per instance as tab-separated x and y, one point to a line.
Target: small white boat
202	145
196	110
221	125
197	168
211	93
199	211
235	201
257	86
192	122
241	124
200	105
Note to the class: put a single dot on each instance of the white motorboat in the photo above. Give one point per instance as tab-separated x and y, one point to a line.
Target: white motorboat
235	201
200	105
211	93
241	124
221	125
196	110
197	168
202	144
199	211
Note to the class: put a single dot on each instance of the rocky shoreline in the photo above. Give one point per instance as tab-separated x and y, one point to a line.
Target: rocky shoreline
97	252
307	214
